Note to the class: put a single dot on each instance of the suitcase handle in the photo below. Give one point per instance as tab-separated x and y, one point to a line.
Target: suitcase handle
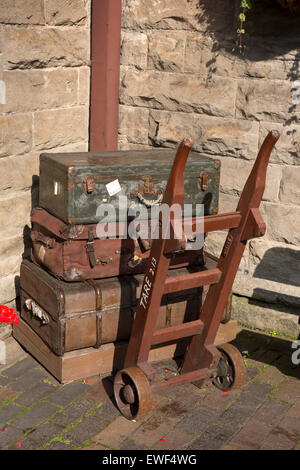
39	237
150	203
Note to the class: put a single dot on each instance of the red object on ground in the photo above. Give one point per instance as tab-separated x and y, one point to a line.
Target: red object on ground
8	315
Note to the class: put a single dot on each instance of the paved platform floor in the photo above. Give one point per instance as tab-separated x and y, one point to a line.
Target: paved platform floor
37	412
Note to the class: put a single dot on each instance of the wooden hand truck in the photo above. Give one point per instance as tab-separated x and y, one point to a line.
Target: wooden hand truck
202	360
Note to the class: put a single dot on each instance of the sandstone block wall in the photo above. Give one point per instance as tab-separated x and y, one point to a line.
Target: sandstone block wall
44	106
181	78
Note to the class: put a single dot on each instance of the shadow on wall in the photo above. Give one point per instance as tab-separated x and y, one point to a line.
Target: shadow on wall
26	236
271	31
279	265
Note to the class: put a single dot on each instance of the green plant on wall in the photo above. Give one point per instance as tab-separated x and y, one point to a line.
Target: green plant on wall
290	6
245	6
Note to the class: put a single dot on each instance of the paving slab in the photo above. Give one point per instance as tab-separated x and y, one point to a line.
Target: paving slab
38	437
9	434
65	395
37	412
35	415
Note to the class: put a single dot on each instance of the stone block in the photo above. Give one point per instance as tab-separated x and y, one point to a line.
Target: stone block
212	54
268	291
290	188
30	90
199	52
207	15
282	222
66	12
14	213
272	274
12	351
15	134
214	243
227	202
5	330
7	288
49	47
287	148
10	264
213	136
265	316
275	262
267	100
235	172
22	12
178	92
166	50
134	49
84	86
60	127
133	124
123	144
16	172
76	147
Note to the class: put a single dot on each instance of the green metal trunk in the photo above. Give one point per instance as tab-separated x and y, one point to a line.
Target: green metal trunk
74	185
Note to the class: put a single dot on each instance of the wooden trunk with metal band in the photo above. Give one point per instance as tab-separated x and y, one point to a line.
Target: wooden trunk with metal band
74	185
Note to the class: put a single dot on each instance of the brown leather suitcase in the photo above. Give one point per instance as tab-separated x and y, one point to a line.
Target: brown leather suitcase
70	316
74	253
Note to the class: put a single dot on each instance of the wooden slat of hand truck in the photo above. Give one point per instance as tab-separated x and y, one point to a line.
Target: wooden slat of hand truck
224	365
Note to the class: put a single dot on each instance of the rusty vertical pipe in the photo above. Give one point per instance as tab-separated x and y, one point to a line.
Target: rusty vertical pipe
105	74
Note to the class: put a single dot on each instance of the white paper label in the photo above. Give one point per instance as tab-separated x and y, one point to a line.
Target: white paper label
113	187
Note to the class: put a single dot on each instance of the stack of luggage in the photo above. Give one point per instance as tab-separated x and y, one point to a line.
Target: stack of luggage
80	289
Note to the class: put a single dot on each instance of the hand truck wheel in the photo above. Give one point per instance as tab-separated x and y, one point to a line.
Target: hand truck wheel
132	393
231	368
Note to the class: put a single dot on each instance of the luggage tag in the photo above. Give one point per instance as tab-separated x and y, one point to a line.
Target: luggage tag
113	187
